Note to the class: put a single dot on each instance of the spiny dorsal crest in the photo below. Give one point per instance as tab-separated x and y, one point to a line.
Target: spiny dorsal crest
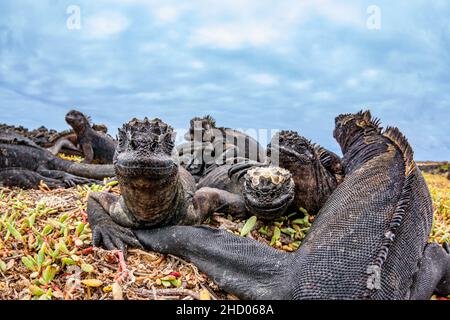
362	119
146	127
205	119
402	143
374	269
290	138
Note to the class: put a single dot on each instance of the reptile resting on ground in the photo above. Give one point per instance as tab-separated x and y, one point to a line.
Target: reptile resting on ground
210	146
316	172
97	146
369	240
157	191
52	140
24	164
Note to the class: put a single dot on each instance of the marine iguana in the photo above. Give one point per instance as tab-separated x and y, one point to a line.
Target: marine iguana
24	164
50	139
97	146
315	170
157	191
267	192
369	240
210	146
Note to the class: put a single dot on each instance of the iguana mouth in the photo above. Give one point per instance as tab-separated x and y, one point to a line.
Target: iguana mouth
268	208
268	191
140	169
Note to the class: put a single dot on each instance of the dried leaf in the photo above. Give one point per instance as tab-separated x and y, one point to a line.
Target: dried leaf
117	291
92	282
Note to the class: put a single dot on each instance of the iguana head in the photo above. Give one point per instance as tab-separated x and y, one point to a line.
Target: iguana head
144	150
268	191
295	153
200	128
290	149
349	127
77	120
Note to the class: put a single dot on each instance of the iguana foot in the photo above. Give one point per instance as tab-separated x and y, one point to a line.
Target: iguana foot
72	181
105	231
114	237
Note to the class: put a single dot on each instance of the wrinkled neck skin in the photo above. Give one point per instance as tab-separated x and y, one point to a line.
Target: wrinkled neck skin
313	184
151	202
361	147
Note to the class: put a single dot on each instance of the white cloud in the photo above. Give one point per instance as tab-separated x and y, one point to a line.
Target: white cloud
233	36
197	65
167	14
370	73
264	79
105	24
301	85
352	82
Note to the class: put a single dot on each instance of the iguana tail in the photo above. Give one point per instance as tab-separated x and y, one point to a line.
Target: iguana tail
243	266
93	171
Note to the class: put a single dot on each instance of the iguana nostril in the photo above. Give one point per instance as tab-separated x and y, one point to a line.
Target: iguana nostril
154	145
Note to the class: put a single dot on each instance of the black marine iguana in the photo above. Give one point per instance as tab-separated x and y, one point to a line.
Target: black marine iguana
156	191
369	240
267	192
210	146
97	146
50	139
316	172
24	164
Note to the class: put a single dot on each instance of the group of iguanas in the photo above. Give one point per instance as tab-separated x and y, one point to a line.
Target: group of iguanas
373	207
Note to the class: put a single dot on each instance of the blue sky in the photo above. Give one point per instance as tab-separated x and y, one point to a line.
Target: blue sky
249	63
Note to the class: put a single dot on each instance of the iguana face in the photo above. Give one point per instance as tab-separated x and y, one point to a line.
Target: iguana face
76	120
293	152
351	126
268	191
290	149
145	150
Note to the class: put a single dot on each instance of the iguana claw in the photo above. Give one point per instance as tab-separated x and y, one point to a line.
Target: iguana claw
114	237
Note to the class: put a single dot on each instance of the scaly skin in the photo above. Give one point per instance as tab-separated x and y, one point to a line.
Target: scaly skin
209	146
316	171
266	191
156	191
97	146
24	164
369	240
55	142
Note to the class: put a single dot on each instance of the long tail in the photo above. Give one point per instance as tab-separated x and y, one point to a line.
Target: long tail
93	171
242	266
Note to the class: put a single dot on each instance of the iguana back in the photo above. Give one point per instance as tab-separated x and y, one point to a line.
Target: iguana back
370	235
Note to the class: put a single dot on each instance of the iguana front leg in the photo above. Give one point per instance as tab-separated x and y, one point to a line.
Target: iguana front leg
88	153
242	266
206	201
109	223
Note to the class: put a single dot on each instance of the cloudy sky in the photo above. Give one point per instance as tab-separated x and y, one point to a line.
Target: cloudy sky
260	64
